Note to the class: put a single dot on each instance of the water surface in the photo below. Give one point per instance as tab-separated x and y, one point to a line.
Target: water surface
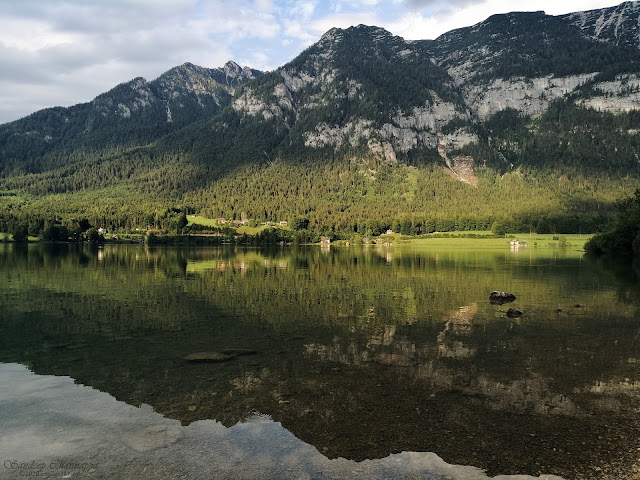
374	361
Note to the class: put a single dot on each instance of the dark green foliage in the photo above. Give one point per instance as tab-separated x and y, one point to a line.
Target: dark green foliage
623	237
181	222
55	233
299	223
93	236
585	139
568	138
19	232
132	114
379	66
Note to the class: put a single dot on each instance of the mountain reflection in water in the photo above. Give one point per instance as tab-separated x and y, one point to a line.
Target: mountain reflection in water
88	433
360	353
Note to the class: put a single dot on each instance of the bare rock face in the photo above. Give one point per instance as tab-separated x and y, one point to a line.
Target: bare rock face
529	96
616	96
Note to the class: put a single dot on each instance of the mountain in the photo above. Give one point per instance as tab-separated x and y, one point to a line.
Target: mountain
399	98
132	114
524	120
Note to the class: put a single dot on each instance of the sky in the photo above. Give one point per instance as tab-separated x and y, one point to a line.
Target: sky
64	52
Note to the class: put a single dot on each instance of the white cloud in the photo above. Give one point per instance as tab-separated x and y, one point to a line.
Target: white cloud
342	20
259	60
301	10
300	31
341	5
264	5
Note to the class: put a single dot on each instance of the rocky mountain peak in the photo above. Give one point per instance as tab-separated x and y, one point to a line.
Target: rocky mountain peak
619	25
369	33
235	75
331	35
232	67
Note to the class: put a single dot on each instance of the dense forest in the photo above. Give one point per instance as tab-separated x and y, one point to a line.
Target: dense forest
563	175
560	173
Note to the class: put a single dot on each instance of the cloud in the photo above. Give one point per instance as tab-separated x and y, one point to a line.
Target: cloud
342	20
449	4
71	51
257	59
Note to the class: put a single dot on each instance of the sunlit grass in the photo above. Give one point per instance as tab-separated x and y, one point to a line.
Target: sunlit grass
483	239
250	230
7	237
209	222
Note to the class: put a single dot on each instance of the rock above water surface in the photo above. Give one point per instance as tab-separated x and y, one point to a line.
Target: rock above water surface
207	357
499	298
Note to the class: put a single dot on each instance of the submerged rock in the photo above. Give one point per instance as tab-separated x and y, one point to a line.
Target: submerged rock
151	438
207	357
513	313
239	351
499	298
394	360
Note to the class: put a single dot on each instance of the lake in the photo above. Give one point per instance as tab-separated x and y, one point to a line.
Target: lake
342	362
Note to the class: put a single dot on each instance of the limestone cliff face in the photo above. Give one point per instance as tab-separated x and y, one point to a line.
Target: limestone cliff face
617	96
524	60
529	96
404	132
320	84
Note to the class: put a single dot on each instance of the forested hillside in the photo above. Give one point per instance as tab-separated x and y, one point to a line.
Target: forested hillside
524	122
132	114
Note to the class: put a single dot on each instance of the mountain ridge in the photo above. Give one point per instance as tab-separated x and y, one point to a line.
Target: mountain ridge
176	98
362	124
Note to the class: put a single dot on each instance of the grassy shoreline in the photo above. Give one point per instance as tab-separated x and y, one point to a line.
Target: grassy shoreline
468	239
486	239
